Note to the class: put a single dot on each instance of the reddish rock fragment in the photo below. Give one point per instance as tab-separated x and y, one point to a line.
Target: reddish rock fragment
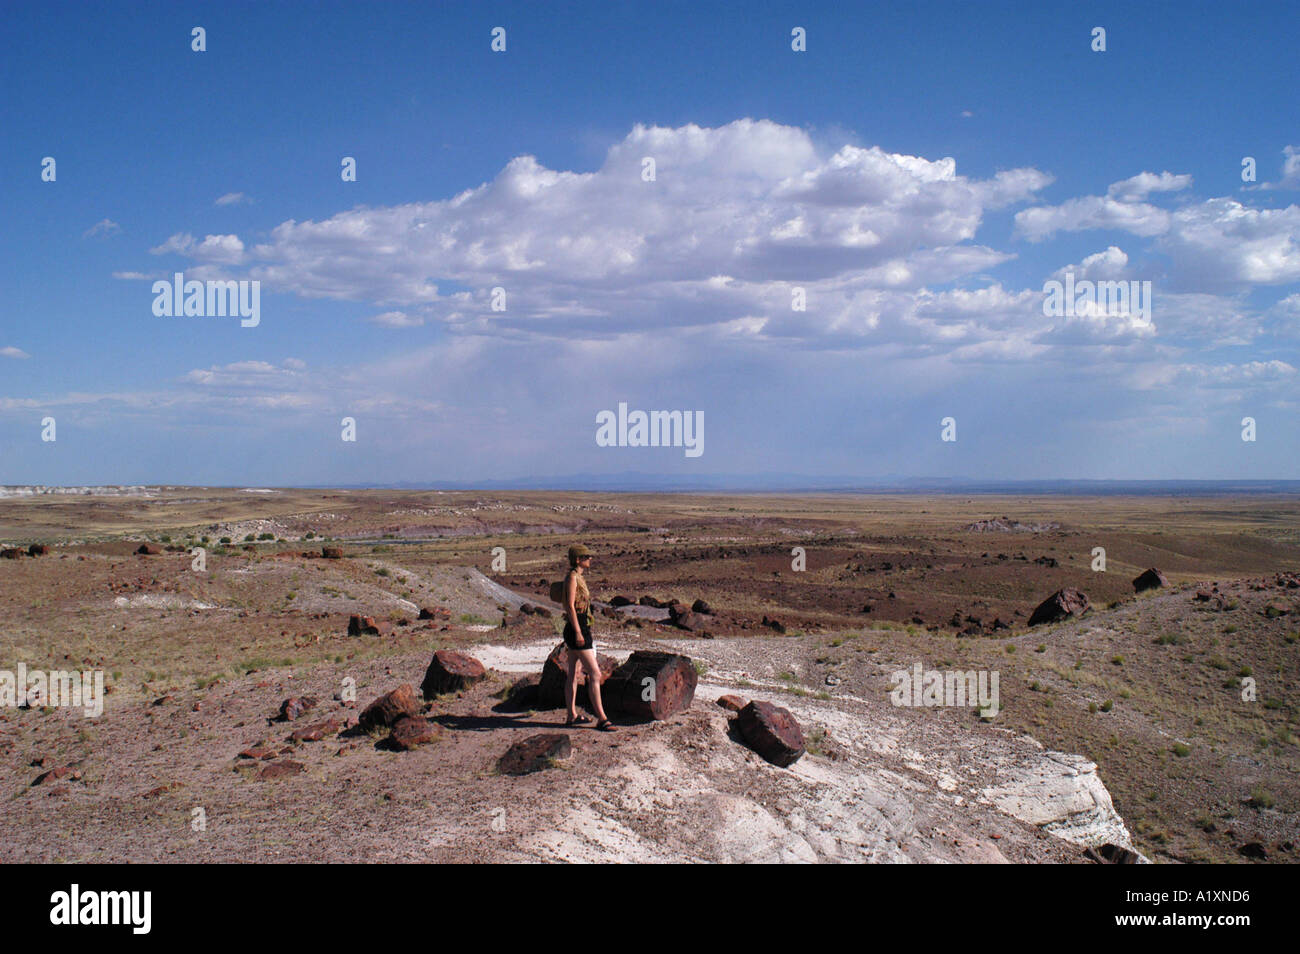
451	672
390	707
535	753
772	732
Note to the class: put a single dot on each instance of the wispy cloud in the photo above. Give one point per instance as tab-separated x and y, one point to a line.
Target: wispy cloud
102	229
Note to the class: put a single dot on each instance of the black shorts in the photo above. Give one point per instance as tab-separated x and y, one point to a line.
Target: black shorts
570	637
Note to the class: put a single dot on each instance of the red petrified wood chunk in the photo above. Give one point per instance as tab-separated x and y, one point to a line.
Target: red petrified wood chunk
410	731
451	672
535	753
651	685
390	707
1060	605
772	732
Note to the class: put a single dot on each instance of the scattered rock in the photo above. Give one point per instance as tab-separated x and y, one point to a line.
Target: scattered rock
774	625
295	706
1060	605
332	553
257	753
700	606
772	732
390	707
367	626
436	612
318	731
410	731
1254	851
535	753
11	553
650	685
621	601
53	775
37	549
1151	579
733	703
689	621
451	672
148	549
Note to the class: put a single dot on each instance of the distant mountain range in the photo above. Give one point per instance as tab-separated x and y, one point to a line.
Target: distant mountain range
637	482
633	482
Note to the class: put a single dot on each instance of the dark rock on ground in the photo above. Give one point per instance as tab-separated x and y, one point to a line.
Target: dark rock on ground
367	626
451	672
535	753
650	685
1060	605
389	707
772	732
411	731
295	706
318	731
1151	579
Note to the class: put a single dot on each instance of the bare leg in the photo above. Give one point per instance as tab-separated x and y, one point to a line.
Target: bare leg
592	665
571	686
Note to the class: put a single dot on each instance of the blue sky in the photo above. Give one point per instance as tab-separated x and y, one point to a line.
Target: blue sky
921	171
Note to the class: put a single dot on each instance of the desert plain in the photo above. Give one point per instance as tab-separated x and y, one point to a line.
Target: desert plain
1163	722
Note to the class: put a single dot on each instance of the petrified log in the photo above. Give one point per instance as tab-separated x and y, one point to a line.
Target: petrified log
650	685
389	707
772	732
410	731
1151	579
451	672
1060	605
535	753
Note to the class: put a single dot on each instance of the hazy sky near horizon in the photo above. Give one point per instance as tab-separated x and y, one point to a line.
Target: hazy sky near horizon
920	171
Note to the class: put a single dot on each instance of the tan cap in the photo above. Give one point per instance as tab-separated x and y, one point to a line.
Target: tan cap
577	552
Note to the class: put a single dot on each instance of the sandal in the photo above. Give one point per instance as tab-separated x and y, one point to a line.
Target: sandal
605	726
577	720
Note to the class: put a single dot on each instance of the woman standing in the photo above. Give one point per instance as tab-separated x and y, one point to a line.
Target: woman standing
577	636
